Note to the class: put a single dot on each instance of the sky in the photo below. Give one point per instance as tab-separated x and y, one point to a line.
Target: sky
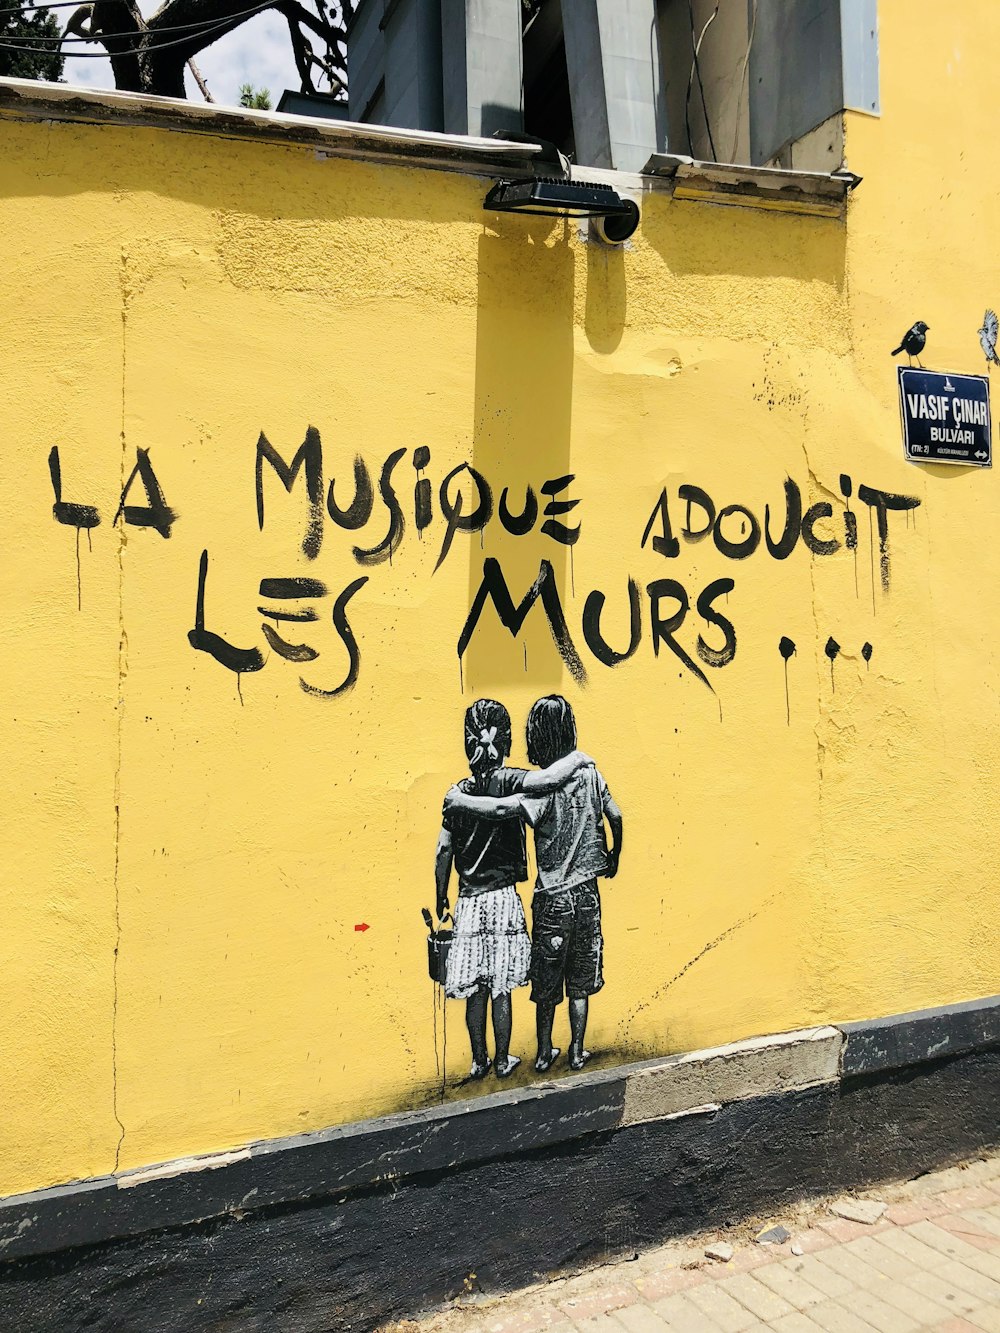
258	52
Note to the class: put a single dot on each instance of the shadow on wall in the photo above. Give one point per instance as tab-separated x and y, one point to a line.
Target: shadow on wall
521	440
607	300
692	237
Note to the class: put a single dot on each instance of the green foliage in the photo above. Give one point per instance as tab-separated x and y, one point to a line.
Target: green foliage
256	99
29	26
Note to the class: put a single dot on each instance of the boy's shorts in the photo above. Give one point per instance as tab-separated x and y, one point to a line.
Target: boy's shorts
566	943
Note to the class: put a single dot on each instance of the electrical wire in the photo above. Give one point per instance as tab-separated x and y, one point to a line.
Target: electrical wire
140	32
743	81
696	69
132	32
30	9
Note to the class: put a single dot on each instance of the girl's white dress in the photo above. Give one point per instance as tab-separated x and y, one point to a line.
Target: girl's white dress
490	948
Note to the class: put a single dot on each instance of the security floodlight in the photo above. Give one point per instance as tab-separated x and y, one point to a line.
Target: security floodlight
616	218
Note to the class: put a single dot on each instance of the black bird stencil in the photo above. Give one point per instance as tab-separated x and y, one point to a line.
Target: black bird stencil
913	342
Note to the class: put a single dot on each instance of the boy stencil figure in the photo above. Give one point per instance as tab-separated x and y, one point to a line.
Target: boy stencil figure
571	852
490	948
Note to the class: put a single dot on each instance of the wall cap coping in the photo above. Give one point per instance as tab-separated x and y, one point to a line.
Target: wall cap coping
807	192
32	99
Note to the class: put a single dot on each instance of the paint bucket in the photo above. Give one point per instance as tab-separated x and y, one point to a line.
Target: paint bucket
438	944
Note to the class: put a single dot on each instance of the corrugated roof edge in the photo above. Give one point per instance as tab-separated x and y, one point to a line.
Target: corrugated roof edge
29	99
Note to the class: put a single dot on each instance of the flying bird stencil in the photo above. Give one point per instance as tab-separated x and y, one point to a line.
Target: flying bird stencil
988	339
913	342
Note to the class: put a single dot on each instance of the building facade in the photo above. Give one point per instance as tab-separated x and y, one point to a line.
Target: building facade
306	452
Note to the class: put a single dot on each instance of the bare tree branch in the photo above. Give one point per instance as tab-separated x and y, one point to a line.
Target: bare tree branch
150	55
199	79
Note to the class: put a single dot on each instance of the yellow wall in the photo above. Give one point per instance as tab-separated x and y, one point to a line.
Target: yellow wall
181	294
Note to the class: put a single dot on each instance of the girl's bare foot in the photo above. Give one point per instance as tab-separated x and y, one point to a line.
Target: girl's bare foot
504	1068
542	1064
479	1071
577	1059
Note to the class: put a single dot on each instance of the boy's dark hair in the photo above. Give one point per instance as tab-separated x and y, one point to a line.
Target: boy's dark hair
551	730
487	735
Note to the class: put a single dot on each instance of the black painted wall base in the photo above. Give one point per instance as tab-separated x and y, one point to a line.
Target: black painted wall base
356	1259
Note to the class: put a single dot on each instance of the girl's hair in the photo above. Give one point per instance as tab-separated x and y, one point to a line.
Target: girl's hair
551	731
487	736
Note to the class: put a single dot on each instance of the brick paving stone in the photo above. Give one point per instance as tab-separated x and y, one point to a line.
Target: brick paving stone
794	1323
600	1323
796	1289
985	1218
811	1240
957	1224
747	1258
970	1255
954	1326
882	1258
841	1230
729	1314
878	1313
952	1298
640	1319
976	1284
655	1286
758	1299
821	1276
903	1214
969	1196
600	1300
938	1239
917	1304
986	1317
904	1242
833	1318
857	1272
532	1320
680	1315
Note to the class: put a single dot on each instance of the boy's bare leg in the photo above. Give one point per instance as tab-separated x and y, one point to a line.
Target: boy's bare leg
547	1053
578	1011
503	1062
475	1021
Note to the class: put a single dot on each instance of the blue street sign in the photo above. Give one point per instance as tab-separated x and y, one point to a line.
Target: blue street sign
946	418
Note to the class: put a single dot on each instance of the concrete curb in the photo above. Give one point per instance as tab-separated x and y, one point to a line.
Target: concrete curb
882	1044
499	1127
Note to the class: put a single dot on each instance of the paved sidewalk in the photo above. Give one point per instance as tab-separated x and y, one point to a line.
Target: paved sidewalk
930	1261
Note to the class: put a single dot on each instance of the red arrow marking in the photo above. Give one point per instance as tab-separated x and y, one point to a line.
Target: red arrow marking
363	926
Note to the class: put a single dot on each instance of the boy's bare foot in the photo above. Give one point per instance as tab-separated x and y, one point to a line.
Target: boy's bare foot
577	1059
479	1071
504	1068
542	1064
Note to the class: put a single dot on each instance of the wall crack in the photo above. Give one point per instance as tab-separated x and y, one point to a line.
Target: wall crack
120	720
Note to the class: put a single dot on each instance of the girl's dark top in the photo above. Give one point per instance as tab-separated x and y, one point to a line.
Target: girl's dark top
488	854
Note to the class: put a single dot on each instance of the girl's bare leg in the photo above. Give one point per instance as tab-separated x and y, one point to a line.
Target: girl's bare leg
504	1062
502	1022
475	1021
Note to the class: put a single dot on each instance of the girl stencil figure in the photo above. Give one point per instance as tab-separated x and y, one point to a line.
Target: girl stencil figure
490	952
571	850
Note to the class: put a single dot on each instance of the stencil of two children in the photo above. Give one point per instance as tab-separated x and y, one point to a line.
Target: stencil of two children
566	803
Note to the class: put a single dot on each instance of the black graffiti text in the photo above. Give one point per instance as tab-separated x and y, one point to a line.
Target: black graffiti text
737	532
465	499
667	606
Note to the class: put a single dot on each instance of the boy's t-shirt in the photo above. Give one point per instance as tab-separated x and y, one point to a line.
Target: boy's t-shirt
570	846
488	854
